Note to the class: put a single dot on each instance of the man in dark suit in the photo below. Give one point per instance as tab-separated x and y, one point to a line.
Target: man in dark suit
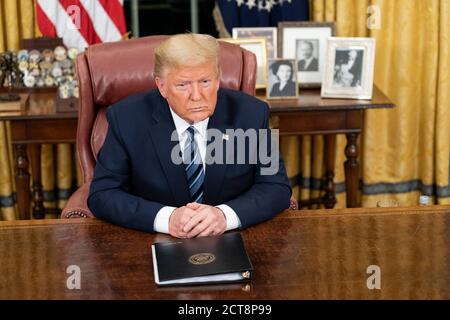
139	181
307	61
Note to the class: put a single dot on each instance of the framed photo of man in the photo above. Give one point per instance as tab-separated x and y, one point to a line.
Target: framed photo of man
349	68
282	79
258	47
269	33
307	54
306	42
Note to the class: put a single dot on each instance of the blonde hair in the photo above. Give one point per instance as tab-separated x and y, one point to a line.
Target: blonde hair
187	49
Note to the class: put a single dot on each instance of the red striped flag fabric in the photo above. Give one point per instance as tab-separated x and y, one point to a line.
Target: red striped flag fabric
81	23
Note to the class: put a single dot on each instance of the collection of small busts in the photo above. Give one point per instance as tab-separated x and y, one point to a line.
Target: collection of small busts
49	68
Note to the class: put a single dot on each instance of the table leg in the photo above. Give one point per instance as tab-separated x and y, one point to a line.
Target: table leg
352	170
38	196
22	179
329	198
300	173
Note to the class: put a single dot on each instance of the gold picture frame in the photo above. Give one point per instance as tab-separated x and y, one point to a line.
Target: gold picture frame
269	33
258	47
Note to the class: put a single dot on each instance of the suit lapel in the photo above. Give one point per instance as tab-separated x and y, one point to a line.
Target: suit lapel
160	131
215	173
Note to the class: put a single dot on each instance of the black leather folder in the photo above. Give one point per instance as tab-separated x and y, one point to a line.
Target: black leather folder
218	259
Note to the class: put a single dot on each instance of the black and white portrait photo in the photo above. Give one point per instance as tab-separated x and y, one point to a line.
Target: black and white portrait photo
282	79
307	53
348	68
305	41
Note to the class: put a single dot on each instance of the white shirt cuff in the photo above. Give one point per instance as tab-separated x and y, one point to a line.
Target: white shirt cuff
233	221
161	223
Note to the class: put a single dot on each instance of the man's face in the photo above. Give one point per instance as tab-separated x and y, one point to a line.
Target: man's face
352	55
351	58
306	50
191	92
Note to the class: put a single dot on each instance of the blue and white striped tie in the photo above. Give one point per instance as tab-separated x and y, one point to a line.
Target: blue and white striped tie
194	167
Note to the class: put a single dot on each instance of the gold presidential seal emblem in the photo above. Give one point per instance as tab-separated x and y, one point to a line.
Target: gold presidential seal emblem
202	258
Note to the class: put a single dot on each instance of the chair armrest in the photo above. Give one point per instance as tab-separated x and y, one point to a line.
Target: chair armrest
76	206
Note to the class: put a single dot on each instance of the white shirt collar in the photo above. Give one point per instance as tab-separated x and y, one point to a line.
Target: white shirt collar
181	125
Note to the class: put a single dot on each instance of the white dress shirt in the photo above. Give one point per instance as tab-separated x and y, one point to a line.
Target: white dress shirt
161	223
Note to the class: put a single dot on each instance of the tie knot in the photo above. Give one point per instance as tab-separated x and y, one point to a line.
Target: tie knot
191	131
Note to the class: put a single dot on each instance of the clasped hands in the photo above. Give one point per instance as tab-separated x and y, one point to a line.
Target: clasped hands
197	220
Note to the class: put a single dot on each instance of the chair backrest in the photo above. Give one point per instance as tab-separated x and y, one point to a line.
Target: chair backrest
110	72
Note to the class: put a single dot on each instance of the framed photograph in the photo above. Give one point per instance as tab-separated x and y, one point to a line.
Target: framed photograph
258	47
282	79
269	33
349	68
306	42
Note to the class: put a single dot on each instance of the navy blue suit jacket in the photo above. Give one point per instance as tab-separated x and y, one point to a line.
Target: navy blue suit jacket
134	176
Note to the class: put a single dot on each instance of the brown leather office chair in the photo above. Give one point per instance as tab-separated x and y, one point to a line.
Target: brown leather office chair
110	72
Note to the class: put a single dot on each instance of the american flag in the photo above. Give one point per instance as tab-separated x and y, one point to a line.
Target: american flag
81	23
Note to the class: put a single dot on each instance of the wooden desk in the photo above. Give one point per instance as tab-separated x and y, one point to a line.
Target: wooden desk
310	114
299	255
37	124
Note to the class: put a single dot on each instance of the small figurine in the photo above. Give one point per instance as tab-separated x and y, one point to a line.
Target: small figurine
9	74
9	69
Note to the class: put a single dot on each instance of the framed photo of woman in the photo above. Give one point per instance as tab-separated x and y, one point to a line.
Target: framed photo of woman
349	68
282	79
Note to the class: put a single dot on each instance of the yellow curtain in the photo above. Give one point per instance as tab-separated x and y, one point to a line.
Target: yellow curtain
17	21
405	151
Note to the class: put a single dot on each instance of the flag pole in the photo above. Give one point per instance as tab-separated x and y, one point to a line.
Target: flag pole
135	18
194	16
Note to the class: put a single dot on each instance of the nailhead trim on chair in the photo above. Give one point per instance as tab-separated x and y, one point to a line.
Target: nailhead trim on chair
79	214
293	205
76	214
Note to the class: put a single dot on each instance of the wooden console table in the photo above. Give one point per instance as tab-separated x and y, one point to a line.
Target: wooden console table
307	115
37	124
310	115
